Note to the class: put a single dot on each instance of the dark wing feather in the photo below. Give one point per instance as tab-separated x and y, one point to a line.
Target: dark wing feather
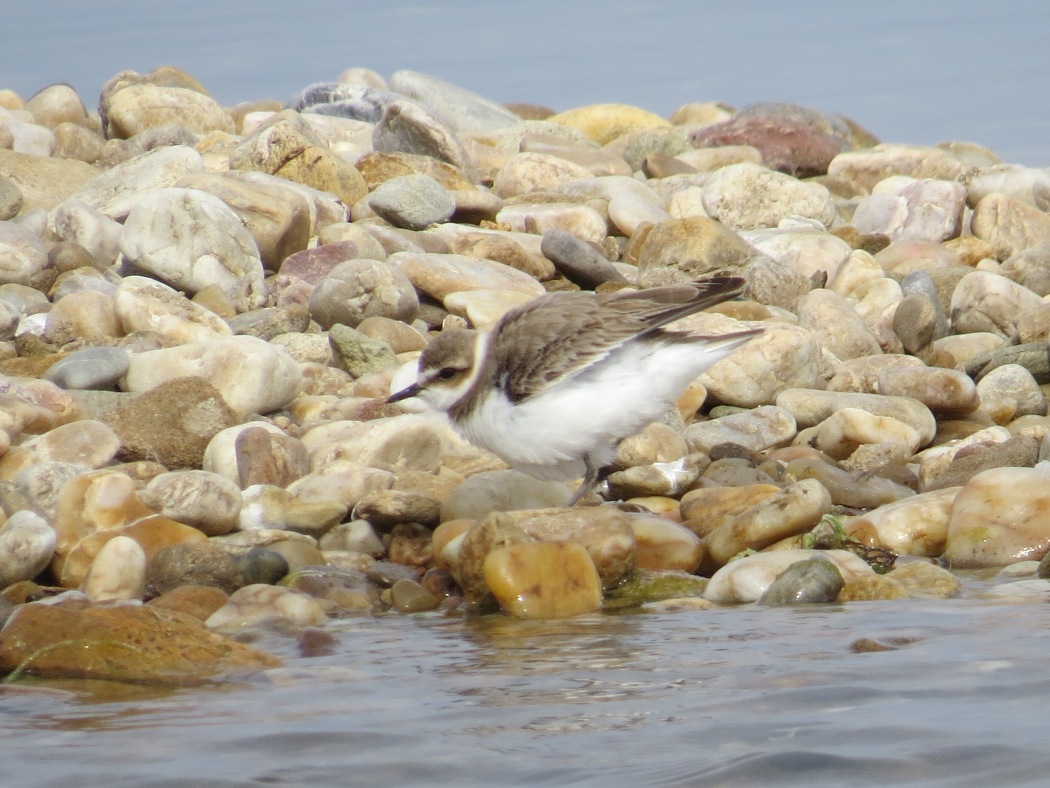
559	334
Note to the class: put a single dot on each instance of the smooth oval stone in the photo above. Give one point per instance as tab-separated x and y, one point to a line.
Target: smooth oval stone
578	261
661	544
999	517
501	491
260	565
172	649
200	564
789	512
543	579
144	304
859	489
253	376
924	579
1009	392
912	209
759	429
843	432
749	196
89	368
89	443
117	573
206	501
1009	225
439	275
27	544
746	579
412	201
814	580
408	596
357	289
867	167
22	255
407	127
983	301
943	391
917	525
812	406
191	239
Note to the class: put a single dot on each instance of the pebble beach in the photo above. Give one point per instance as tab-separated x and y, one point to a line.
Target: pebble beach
203	309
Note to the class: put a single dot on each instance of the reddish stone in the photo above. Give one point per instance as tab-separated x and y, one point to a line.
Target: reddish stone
786	144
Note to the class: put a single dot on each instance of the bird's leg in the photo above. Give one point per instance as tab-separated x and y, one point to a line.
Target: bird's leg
590	478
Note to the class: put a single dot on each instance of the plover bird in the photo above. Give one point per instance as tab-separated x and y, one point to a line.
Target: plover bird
560	380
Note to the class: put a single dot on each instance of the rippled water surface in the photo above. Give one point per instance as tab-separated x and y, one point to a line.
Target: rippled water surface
745	696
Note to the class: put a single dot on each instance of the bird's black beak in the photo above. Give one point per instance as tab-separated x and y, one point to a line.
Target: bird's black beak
405	393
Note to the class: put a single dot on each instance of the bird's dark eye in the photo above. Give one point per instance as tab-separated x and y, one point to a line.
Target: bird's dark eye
447	373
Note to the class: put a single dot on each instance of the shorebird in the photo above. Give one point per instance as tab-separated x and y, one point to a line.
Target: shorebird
560	380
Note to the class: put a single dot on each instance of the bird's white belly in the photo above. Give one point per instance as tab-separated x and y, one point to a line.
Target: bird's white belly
548	434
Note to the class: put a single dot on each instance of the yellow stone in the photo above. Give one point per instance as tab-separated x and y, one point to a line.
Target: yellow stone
662	544
152	533
544	579
605	122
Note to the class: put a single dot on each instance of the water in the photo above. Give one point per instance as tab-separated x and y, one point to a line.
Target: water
735	697
728	697
918	72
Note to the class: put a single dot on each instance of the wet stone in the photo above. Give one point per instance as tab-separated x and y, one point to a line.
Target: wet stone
54	642
815	580
199	564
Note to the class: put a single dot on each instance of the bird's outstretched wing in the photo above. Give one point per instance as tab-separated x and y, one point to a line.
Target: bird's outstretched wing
559	335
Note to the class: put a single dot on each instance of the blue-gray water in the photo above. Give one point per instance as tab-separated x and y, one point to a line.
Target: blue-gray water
741	697
910	71
735	697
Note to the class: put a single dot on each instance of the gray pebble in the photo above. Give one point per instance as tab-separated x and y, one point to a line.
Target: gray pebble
407	127
260	565
360	288
89	368
1033	356
815	580
413	202
577	261
358	353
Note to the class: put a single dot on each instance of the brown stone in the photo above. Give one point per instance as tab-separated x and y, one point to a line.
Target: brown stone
264	457
134	644
196	601
171	423
786	145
